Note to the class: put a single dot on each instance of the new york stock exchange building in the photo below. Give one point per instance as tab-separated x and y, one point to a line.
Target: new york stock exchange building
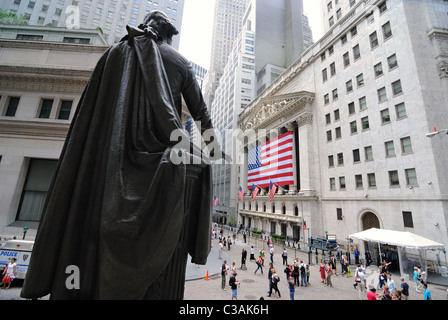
343	134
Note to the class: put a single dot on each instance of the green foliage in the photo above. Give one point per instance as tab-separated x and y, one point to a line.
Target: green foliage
7	17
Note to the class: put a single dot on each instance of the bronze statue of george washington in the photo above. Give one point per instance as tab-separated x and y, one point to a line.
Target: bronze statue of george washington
119	211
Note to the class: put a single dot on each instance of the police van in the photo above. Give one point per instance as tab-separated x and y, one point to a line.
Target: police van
18	249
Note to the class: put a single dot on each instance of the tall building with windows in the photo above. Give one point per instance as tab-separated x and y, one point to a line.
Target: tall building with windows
359	104
271	39
41	81
228	18
111	16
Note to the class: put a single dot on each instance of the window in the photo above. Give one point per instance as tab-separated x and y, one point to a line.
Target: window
387	31
336	115
378	68
373	40
346	59
340	159
330	50
360	80
342	182
327	118
411	177
331	21
358	181
392	61
351	108
356	52
400	110
322	57
332	69
390	150
329	138
330	6
331	161
353	31
335	94
349	86
45	108
64	111
343	39
365	123
29	37
339	15
327	98
76	40
368	153
13	103
353	127
371	180
338	132
385	117
396	87
324	75
382	94
40	173
339	213
407	219
382	7
362	103
393	178
332	184
406	146
356	157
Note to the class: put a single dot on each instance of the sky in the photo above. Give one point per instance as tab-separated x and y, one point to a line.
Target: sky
197	28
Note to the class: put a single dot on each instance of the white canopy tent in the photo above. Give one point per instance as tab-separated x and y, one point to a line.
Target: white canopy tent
401	239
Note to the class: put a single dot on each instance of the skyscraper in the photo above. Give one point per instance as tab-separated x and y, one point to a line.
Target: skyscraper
226	28
111	16
272	38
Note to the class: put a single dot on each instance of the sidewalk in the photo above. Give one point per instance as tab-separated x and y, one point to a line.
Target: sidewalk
254	286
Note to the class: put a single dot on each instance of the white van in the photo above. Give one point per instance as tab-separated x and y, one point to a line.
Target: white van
19	249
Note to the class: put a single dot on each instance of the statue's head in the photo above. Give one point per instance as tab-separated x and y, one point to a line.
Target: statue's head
161	23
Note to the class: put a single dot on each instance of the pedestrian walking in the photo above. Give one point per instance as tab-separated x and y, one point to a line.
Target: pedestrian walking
356	252
303	274
224	269
390	283
259	265
328	275
275	281
271	252
404	289
229	243
270	277
368	257
427	295
296	273
234	286
322	271
361	285
285	257
417	280
381	278
288	272
220	249
261	255
232	268
343	265
333	263
243	259
308	272
9	274
252	253
291	287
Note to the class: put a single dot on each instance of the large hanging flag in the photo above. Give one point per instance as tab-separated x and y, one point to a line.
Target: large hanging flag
255	190
272	161
272	189
241	193
215	200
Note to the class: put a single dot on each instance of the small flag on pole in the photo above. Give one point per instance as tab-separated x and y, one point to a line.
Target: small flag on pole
215	200
272	189
255	190
241	193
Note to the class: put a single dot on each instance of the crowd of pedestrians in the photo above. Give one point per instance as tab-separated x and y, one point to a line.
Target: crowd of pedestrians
297	273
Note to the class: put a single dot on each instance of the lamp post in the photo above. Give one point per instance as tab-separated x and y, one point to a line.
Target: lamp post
24	232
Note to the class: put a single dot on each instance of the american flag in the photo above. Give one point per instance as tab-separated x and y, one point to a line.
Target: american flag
255	190
215	200
271	161
272	189
241	193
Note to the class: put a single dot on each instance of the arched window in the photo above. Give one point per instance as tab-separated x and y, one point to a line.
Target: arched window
284	209
296	211
370	220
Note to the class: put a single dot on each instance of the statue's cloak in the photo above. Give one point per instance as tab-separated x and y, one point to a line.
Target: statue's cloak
115	208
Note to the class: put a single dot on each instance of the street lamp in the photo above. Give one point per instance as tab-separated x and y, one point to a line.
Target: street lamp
432	134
